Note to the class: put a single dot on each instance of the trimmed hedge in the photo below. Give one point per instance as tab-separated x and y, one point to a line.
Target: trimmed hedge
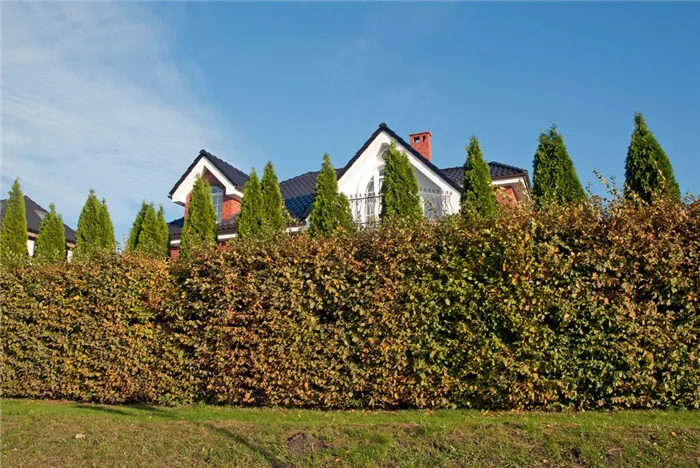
588	306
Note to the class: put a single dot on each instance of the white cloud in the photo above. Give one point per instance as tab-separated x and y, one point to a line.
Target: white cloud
93	97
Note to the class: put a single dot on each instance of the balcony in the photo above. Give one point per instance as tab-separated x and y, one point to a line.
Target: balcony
367	207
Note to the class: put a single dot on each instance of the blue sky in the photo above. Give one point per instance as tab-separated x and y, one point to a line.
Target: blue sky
120	97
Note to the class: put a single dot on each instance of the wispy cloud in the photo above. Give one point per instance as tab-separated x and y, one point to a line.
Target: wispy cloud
94	97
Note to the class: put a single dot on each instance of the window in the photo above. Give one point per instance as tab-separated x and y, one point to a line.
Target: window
217	196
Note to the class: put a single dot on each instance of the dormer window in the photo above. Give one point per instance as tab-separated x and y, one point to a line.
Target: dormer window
217	196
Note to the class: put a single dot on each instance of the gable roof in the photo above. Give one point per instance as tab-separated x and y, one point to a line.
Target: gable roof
385	128
299	192
235	176
35	213
498	171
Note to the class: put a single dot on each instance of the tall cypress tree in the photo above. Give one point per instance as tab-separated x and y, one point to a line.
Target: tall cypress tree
555	177
648	170
149	236
13	232
108	242
345	219
400	192
136	227
251	218
163	233
199	230
89	237
330	210
477	196
51	243
273	205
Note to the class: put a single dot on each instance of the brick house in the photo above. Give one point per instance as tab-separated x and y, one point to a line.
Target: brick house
360	179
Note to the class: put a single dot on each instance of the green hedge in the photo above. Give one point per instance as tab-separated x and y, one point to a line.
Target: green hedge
589	306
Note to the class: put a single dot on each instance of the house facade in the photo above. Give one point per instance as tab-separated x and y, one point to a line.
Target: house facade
360	179
35	214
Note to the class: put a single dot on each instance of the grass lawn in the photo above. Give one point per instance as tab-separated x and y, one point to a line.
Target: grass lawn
45	433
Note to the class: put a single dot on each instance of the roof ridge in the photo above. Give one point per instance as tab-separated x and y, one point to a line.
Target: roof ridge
508	166
212	155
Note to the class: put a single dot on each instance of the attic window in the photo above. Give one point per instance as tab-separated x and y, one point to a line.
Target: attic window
40	214
217	197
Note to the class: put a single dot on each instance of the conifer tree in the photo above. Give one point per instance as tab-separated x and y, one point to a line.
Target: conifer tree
477	196
136	227
648	170
554	178
149	236
345	219
400	192
273	205
251	218
330	210
163	233
13	232
108	242
199	230
91	232
51	243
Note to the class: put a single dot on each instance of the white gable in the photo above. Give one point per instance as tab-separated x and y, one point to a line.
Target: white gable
185	187
356	178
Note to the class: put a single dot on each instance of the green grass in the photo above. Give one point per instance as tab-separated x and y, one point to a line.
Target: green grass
43	433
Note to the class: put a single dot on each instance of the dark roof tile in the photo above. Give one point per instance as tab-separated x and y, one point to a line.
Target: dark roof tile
498	171
235	176
35	213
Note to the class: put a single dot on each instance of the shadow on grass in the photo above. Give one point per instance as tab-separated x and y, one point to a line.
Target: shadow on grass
145	409
156	412
257	449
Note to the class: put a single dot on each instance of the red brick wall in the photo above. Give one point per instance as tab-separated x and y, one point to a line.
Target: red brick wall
231	205
230	208
505	195
174	253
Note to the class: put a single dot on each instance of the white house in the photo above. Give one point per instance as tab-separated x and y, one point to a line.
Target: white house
360	179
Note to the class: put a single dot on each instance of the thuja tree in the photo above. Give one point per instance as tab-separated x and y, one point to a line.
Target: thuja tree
51	243
108	241
150	238
477	196
199	230
163	232
136	227
149	234
95	233
554	176
400	192
648	170
251	219
330	211
272	204
13	232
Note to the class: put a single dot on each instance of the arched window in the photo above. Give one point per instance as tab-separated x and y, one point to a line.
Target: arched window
217	196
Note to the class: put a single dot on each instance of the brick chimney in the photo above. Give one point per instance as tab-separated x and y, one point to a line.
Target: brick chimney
421	143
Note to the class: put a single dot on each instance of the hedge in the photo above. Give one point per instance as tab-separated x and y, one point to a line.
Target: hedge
587	306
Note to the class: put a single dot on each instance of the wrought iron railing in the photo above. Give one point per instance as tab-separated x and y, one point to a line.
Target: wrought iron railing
367	207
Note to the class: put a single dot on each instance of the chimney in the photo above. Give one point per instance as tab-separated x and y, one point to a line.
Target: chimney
421	143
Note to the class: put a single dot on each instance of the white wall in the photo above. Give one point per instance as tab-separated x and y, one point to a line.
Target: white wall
30	246
354	181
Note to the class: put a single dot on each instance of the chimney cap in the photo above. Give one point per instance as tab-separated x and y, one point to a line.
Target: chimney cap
427	132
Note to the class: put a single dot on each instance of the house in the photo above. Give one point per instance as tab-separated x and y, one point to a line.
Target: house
35	214
360	179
